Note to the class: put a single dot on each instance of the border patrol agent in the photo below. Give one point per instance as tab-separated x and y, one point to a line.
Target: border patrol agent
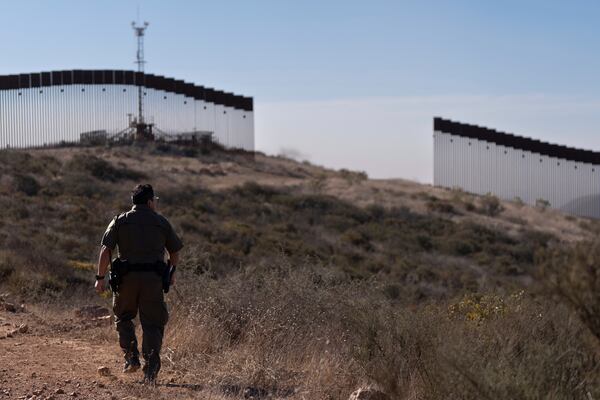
142	235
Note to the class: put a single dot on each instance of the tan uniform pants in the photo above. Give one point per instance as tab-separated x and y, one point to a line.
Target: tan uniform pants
141	291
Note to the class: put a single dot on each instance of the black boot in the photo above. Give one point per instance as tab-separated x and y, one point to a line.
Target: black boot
151	368
132	363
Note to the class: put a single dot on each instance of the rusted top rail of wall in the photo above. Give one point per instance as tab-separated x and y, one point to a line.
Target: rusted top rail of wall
515	141
120	77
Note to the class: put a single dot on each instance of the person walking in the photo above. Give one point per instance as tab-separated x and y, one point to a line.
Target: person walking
142	235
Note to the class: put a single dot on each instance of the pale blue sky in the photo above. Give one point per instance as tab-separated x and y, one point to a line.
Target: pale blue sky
368	74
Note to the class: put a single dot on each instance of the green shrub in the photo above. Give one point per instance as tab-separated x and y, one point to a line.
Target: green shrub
441	206
353	177
470	206
318	183
358	239
574	275
425	242
21	162
26	184
518	202
80	184
376	212
462	247
102	169
392	291
253	189
21	212
6	269
542	204
490	205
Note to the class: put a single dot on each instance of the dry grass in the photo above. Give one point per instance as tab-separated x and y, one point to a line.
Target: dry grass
310	332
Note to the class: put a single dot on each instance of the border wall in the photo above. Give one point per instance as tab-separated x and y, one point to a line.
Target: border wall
481	160
62	107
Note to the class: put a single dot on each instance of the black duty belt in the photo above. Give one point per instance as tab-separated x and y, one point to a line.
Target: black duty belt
154	267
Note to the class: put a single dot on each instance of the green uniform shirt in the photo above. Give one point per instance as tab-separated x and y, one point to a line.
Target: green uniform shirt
142	236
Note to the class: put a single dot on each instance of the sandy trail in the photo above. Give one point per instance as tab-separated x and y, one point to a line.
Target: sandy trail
60	361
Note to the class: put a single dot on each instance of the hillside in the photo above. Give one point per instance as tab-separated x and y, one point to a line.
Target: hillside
302	282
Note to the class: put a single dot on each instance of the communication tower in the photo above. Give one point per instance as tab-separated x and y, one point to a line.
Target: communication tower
143	130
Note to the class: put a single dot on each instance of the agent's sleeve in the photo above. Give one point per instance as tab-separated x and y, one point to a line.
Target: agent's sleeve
109	239
173	243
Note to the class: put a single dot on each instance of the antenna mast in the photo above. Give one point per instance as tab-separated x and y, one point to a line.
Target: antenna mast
139	33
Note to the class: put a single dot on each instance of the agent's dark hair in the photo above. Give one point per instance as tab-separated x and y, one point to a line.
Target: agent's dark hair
142	193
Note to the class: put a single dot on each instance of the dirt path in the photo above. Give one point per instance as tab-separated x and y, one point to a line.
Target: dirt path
58	358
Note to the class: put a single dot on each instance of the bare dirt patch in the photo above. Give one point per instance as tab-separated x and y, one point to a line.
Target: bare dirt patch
46	362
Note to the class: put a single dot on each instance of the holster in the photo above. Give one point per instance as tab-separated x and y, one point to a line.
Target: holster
167	275
118	269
